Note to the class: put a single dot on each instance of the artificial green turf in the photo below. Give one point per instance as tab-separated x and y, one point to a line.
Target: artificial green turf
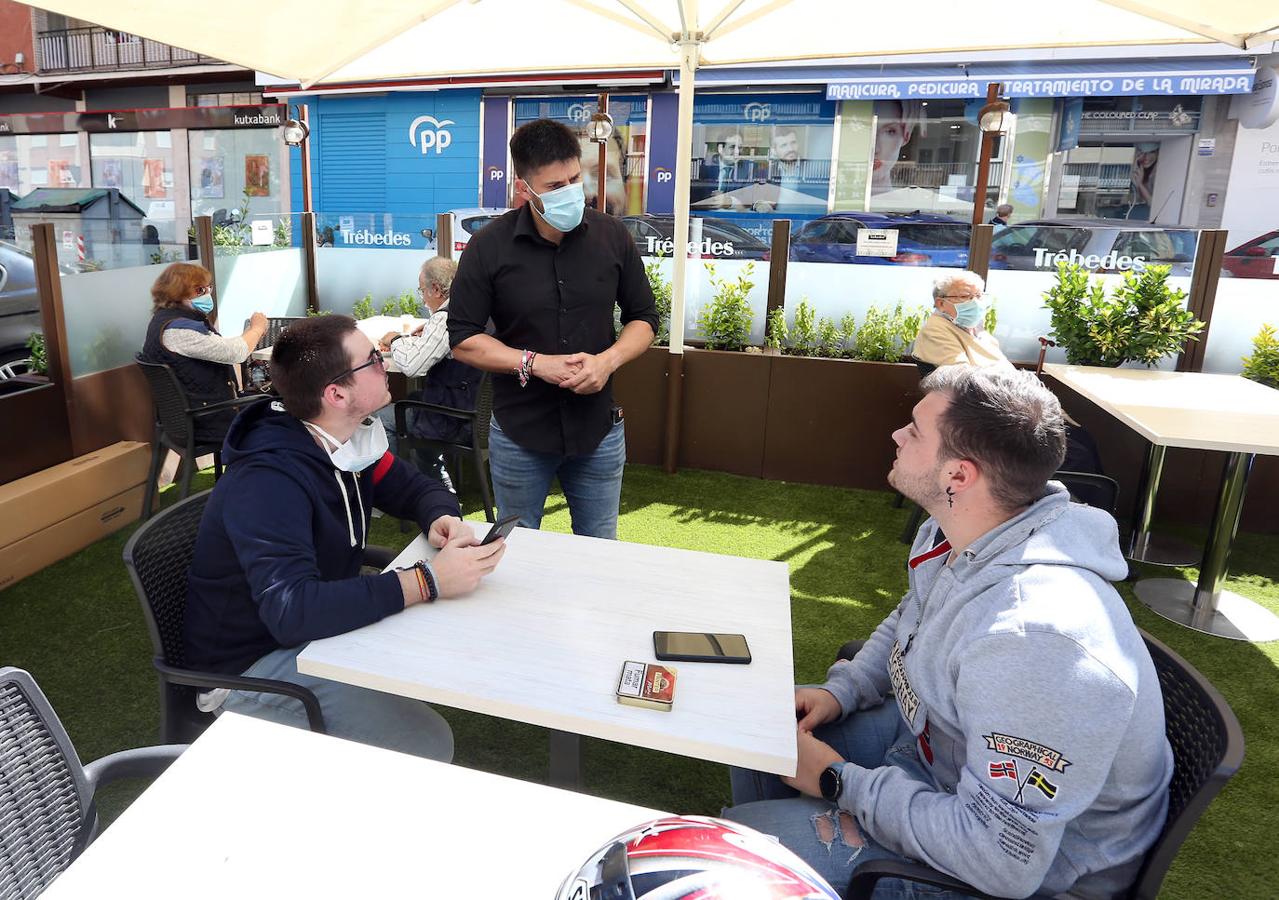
78	628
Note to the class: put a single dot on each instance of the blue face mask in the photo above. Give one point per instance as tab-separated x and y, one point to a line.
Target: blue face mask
563	207
203	304
969	313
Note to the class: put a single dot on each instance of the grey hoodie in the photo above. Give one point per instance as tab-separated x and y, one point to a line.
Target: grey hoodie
1035	706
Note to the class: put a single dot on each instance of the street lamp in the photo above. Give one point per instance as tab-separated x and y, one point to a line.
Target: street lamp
599	129
295	132
996	117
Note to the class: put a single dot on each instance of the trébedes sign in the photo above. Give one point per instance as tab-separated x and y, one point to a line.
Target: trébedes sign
1045	258
666	246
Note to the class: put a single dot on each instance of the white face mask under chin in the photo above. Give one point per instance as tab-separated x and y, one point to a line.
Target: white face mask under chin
366	446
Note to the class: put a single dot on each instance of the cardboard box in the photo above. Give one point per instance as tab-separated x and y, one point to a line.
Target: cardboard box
34	503
60	540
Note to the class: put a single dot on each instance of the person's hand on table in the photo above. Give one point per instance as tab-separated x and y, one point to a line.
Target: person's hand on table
447	528
553	369
258	320
593	373
815	706
462	563
384	343
814	756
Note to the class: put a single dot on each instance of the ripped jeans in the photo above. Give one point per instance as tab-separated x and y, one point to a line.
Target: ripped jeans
827	838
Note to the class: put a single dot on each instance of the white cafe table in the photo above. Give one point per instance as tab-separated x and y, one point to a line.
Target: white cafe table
544	637
255	809
1204	412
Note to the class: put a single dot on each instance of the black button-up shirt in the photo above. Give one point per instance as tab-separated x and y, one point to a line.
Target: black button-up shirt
553	299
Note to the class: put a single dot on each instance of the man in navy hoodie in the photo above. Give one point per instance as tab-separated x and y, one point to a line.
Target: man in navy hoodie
277	559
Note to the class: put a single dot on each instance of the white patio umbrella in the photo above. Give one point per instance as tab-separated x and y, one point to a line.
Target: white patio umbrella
370	41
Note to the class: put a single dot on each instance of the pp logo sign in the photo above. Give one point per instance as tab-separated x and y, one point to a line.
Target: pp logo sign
757	112
496	174
578	112
662	174
436	137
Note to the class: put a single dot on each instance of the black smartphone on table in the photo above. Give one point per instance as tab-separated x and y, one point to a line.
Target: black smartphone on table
701	646
500	530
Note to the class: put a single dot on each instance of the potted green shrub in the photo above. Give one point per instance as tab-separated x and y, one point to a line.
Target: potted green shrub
726	321
1142	319
1263	365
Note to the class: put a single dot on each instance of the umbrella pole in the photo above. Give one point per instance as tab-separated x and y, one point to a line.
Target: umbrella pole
689	46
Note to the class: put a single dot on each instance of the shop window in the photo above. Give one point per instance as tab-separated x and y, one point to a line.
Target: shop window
29	161
625	162
237	172
140	165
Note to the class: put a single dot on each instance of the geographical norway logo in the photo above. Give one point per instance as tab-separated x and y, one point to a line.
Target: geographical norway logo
1015	746
907	699
437	136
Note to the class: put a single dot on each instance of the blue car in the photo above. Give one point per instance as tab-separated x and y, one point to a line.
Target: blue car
923	239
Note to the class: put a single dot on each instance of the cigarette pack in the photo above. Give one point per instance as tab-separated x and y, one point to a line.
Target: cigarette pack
646	684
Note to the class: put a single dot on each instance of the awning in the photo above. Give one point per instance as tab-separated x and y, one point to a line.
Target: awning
1113	78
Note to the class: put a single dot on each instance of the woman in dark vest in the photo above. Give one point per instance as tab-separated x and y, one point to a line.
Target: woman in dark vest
182	337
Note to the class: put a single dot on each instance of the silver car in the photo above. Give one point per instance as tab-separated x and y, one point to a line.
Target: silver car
1099	245
19	308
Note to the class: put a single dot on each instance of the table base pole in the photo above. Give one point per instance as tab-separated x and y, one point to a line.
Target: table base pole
1161	550
566	760
1235	617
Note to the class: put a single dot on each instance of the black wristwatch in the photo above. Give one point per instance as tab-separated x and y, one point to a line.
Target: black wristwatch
831	781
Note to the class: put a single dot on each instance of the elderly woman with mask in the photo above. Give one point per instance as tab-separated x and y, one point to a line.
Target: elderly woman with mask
181	336
954	332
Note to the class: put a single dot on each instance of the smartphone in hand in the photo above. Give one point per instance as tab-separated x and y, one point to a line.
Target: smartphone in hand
500	530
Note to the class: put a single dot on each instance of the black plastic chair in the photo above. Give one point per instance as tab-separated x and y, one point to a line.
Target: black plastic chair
175	428
477	449
1207	748
275	325
1099	491
47	812
158	556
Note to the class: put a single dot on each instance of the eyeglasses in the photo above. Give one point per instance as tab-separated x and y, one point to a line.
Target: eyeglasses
963	297
375	359
203	289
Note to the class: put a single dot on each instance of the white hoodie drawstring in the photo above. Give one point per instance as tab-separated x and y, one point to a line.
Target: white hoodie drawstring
346	504
364	525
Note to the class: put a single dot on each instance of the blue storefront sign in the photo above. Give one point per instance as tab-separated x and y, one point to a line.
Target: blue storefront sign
661	153
384	166
1170	78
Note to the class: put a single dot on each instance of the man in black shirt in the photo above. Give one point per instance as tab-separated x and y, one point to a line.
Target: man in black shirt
548	275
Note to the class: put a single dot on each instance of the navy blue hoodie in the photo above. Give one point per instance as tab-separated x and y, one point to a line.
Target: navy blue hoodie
277	557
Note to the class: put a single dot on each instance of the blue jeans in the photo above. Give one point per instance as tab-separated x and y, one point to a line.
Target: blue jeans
829	839
354	713
592	482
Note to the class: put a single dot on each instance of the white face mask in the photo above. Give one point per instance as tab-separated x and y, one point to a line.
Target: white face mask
366	446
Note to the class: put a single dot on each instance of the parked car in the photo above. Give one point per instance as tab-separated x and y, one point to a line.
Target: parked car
923	239
468	221
1258	258
1100	245
655	235
19	307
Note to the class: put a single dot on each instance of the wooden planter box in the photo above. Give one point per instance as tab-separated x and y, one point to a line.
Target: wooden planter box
640	388
830	421
794	418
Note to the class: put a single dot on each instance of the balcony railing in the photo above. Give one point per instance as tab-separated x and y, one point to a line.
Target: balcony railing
93	49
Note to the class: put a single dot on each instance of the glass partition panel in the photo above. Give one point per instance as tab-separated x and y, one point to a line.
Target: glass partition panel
267	277
107	313
370	261
1243	305
1023	267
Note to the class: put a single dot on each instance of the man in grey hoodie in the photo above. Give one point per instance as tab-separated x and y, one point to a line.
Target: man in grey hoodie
1004	724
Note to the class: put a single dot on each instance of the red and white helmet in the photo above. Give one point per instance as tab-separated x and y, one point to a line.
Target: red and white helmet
694	858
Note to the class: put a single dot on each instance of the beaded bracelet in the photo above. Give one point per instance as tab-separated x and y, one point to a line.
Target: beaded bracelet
525	371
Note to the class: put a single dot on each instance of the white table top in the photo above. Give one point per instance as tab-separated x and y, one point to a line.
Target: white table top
255	809
1183	409
544	637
